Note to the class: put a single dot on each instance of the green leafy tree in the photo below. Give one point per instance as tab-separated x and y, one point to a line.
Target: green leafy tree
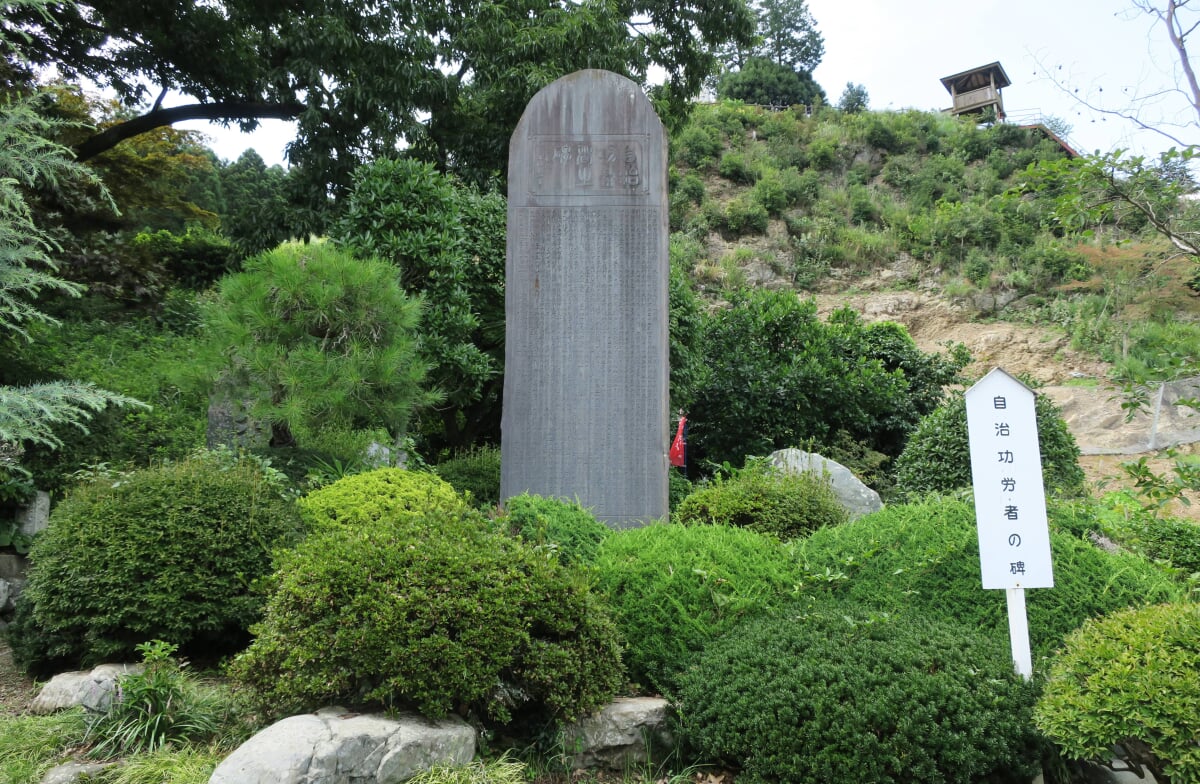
163	180
854	99
786	34
28	159
254	211
449	79
789	34
765	82
319	339
448	244
778	376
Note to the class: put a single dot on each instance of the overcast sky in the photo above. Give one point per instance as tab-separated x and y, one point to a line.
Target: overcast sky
899	51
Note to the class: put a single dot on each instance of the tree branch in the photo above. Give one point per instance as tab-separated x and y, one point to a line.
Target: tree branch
1175	30
234	110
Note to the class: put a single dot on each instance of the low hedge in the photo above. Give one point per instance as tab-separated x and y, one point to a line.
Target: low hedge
841	695
922	559
571	531
673	587
166	553
435	611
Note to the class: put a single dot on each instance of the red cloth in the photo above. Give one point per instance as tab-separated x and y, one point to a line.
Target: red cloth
678	446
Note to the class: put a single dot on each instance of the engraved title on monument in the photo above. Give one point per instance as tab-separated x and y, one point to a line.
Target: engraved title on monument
585	388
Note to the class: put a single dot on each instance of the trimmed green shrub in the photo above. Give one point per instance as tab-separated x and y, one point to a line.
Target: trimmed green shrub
838	695
786	506
165	553
672	588
382	494
937	457
922	559
431	610
1131	679
1176	541
475	473
571	531
697	146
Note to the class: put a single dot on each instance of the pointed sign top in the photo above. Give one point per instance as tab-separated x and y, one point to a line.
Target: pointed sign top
997	376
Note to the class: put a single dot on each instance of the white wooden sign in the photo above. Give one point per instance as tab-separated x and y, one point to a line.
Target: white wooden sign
1006	470
1010	502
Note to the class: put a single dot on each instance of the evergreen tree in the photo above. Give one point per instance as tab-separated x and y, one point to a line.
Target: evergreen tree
28	159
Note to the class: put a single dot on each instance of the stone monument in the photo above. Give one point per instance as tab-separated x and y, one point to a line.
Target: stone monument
585	386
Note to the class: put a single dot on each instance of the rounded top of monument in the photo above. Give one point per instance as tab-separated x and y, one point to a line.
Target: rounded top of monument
587	102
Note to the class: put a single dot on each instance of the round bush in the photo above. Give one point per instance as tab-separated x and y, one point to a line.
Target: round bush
382	494
783	505
1130	679
477	472
570	530
922	559
672	588
164	553
431	611
835	695
937	458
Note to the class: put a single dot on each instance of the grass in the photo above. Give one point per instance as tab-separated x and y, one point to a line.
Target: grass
31	745
185	765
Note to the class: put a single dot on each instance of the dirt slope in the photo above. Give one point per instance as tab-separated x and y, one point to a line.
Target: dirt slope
1077	382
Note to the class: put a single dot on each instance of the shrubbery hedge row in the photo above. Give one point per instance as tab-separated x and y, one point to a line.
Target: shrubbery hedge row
167	553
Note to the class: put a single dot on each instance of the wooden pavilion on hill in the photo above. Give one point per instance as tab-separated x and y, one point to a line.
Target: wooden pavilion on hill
978	89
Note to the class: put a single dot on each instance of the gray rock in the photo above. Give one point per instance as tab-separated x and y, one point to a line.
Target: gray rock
586	301
626	734
34	516
74	771
856	498
13	566
229	420
335	747
15	587
92	689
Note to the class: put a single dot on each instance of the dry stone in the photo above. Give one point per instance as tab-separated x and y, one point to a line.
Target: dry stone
585	385
856	498
336	747
628	733
34	516
93	689
71	772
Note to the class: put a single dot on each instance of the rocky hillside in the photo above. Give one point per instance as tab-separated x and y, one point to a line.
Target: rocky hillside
918	218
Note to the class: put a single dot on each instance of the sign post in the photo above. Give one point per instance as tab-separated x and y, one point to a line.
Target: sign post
1010	501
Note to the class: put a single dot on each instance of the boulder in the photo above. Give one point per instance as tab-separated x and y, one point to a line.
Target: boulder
34	516
75	771
13	566
229	420
93	689
856	498
627	734
336	747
